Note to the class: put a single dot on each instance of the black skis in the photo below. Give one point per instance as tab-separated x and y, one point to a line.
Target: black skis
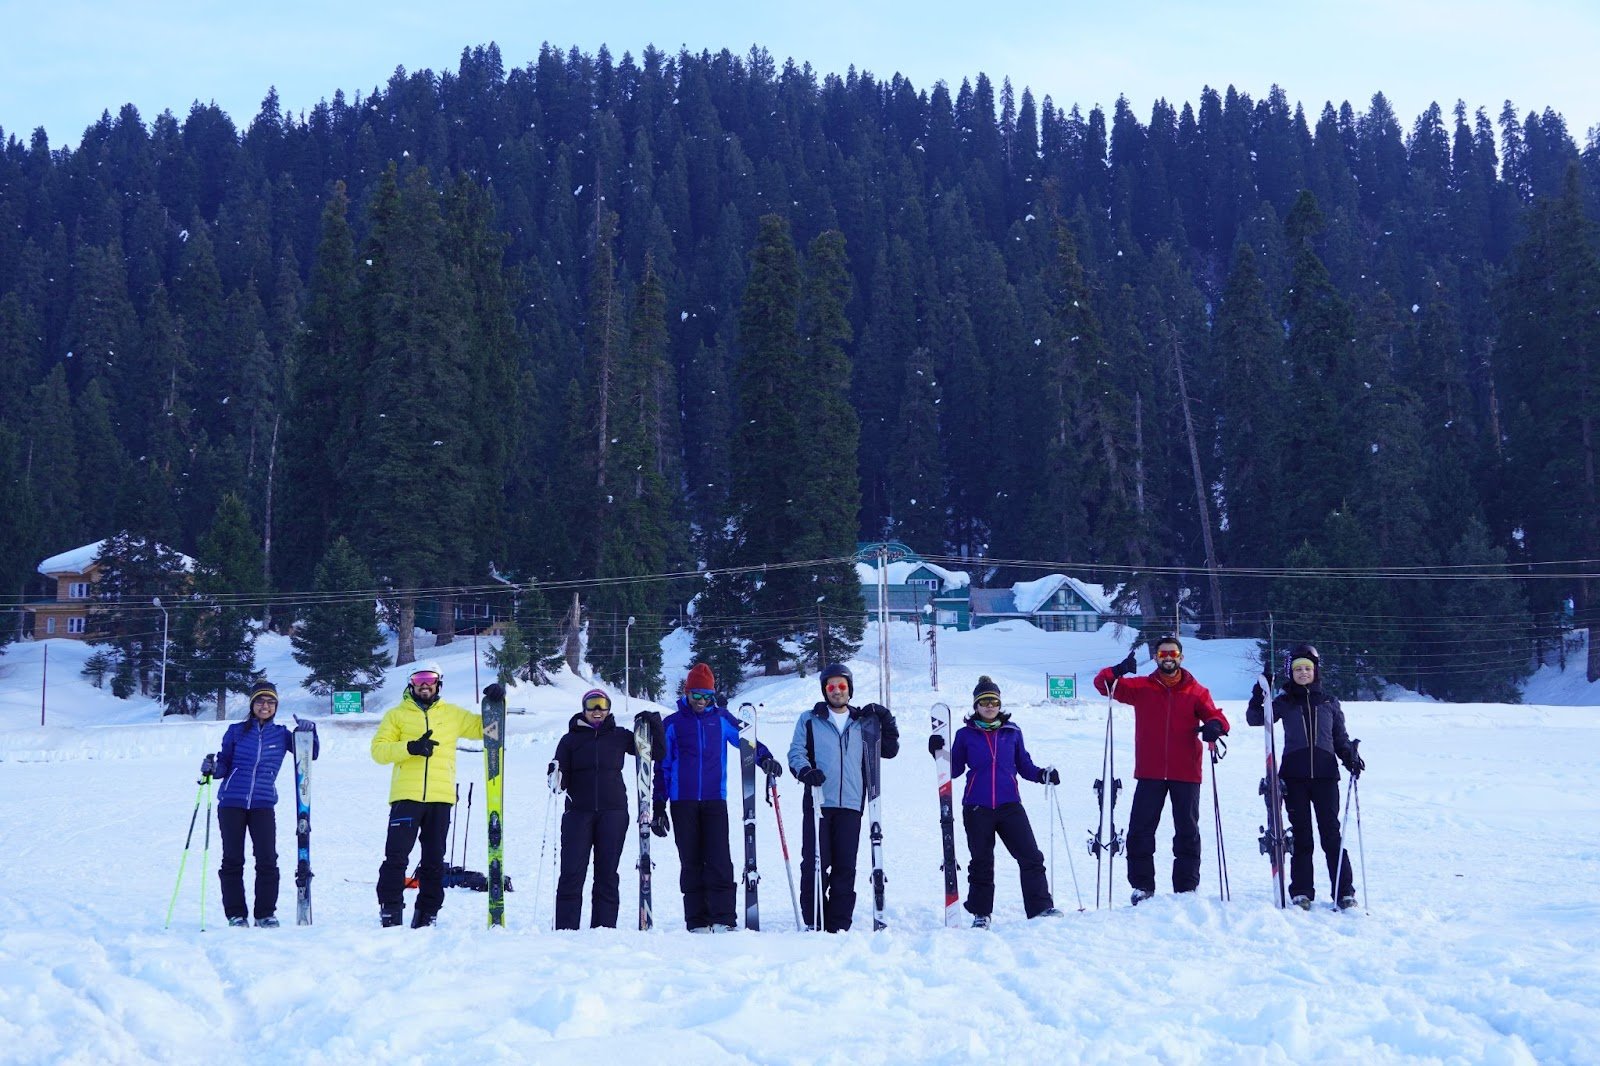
747	775
872	734
940	715
644	745
1106	839
304	746
1275	839
494	746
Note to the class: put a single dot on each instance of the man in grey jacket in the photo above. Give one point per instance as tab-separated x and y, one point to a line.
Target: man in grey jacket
828	755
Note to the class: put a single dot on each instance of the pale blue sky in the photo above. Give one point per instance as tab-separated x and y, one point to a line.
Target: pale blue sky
67	60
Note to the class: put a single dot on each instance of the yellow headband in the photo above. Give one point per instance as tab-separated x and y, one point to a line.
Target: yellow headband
1302	662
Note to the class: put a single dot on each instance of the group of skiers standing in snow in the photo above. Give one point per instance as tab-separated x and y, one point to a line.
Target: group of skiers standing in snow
1175	719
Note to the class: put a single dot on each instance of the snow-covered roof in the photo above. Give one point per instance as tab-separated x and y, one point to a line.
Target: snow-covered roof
78	560
899	571
1031	595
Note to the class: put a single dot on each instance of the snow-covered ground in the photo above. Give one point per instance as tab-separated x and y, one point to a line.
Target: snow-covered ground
1480	941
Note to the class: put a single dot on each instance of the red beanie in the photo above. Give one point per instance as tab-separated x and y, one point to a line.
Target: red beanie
701	677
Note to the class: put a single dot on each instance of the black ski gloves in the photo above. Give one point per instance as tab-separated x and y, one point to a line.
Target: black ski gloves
935	744
552	774
660	824
495	692
810	776
1125	667
771	767
1353	763
208	766
423	745
1211	729
1049	776
888	730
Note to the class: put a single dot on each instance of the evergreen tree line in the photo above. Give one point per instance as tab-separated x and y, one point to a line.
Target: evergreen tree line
590	319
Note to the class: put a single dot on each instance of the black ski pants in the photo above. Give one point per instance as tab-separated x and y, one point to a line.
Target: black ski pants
408	820
1319	796
841	844
1149	796
262	825
601	833
1010	823
705	877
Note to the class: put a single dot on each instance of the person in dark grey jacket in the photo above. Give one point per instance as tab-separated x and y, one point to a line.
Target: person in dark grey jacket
1315	743
828	756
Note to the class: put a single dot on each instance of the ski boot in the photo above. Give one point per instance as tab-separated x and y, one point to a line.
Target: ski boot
1303	902
1347	903
269	922
1049	912
389	919
1139	896
239	923
981	922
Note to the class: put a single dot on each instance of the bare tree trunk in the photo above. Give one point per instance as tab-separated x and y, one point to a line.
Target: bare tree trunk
1591	541
405	633
266	533
445	631
222	704
574	647
1200	494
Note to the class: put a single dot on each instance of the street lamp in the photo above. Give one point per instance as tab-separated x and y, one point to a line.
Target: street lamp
627	664
165	618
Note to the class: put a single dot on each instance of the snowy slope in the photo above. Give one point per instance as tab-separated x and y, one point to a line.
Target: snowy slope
1480	944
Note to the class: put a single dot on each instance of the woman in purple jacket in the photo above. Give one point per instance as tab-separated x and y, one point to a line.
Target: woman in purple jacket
991	747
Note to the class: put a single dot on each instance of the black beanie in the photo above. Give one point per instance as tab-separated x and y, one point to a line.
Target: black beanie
984	688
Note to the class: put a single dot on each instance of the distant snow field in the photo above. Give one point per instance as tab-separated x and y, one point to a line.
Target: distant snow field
1480	941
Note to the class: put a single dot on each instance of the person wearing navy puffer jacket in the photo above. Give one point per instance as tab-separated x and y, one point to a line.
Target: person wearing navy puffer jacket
990	751
247	765
692	776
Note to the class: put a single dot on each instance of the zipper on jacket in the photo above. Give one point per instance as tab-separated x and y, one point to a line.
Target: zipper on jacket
255	770
994	771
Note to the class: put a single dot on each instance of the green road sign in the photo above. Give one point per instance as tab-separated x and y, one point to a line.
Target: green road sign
347	703
1061	686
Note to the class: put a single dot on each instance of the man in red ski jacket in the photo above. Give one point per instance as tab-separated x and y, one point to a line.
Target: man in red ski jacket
1174	718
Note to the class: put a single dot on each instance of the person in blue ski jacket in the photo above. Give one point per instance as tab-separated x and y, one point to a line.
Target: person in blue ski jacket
828	755
247	766
691	776
988	748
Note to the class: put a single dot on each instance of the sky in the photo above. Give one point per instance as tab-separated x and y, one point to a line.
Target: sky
68	60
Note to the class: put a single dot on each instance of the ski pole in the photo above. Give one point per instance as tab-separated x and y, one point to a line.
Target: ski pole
1361	846
783	845
466	834
205	850
1224	893
1061	824
453	834
187	840
554	779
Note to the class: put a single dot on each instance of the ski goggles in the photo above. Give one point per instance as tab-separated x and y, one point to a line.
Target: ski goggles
702	694
840	685
597	703
989	701
1169	653
425	677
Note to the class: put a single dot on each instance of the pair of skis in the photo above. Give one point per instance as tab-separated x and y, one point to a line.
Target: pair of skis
747	776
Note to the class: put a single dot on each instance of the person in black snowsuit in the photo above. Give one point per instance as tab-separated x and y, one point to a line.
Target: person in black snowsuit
990	746
247	765
589	759
1315	743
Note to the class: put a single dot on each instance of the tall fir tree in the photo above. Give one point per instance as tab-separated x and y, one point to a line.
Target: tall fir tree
337	638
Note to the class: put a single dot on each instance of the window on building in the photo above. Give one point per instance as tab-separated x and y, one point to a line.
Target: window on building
78	590
75	625
49	627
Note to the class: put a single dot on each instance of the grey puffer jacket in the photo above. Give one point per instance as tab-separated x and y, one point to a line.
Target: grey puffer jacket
1315	741
840	756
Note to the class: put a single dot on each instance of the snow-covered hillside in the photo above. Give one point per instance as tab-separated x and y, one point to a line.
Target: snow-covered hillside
1480	941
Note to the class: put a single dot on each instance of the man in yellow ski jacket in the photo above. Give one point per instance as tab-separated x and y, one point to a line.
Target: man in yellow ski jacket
419	737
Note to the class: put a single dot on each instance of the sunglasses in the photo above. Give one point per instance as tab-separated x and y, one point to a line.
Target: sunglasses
424	677
836	686
1169	655
597	704
702	694
988	701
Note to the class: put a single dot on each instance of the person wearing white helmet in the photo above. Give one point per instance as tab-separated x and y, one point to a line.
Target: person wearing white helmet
418	736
